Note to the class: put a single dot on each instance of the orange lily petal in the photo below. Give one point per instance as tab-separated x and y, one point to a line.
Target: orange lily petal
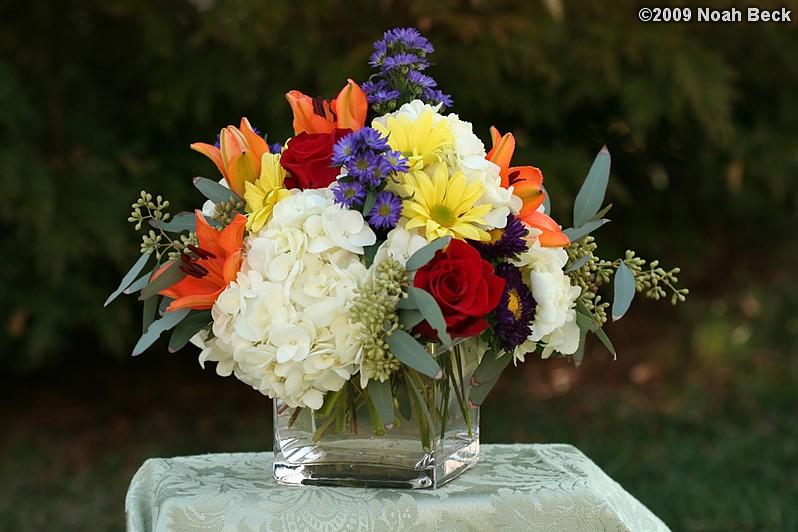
232	235
195	301
350	107
212	152
231	266
527	182
552	236
502	153
257	145
305	118
240	169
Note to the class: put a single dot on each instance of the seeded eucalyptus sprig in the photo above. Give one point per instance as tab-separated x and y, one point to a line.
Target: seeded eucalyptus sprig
145	209
226	211
589	272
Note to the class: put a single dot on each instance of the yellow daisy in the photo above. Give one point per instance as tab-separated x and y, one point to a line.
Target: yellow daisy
262	195
420	141
444	205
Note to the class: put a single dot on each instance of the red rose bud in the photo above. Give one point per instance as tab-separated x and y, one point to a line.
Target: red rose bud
308	158
465	288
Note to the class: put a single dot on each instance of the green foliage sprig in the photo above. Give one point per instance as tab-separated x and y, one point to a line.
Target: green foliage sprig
591	272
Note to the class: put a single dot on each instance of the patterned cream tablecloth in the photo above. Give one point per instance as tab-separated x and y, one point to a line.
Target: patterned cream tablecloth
514	487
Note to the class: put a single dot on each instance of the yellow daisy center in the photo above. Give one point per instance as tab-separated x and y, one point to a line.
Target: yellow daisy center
514	304
443	215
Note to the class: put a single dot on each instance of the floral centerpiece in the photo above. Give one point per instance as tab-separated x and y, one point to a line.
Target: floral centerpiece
376	273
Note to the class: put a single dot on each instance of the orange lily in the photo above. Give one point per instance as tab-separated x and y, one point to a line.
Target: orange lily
239	155
527	183
211	266
314	115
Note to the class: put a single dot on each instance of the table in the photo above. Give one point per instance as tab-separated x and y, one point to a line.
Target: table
514	487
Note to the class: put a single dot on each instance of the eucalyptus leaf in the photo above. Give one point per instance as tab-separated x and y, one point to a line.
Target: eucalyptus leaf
139	283
187	328
403	400
577	264
167	278
425	254
129	277
602	212
158	327
579	355
183	221
150	308
369	252
591	194
576	234
409	318
605	340
216	192
623	291
382	396
423	301
546	201
487	374
409	352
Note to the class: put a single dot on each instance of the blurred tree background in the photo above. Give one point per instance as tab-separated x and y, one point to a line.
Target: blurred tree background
100	99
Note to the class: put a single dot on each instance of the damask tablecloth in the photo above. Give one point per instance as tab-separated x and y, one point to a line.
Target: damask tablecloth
514	487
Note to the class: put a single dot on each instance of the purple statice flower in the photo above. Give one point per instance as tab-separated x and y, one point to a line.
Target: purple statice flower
422	80
275	148
516	309
408	38
398	162
504	243
403	62
386	210
435	97
348	194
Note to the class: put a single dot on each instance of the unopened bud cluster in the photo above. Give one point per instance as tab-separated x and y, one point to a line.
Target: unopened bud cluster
226	211
653	282
374	307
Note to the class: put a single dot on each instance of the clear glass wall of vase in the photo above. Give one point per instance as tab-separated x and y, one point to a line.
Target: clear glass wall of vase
432	438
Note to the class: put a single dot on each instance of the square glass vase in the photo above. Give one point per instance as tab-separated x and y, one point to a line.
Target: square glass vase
434	436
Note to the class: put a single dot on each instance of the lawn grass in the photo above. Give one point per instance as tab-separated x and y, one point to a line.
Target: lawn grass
705	449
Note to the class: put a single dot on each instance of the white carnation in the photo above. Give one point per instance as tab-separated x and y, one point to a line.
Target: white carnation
554	325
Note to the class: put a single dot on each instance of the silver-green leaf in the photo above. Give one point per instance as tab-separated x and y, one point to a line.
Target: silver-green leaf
187	328
591	195
158	327
623	291
425	254
409	352
170	276
215	192
575	234
129	277
382	397
423	301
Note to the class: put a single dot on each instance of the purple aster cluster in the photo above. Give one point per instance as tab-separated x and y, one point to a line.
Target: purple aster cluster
369	161
401	55
516	309
505	243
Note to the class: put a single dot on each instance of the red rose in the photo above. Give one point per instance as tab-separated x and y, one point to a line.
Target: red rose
308	159
464	286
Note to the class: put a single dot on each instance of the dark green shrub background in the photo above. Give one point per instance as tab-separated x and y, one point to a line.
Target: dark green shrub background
101	99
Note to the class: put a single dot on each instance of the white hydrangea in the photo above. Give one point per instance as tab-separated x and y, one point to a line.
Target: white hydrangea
283	326
469	158
400	244
554	326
